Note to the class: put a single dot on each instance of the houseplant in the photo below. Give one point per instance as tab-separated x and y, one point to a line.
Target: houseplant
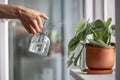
101	32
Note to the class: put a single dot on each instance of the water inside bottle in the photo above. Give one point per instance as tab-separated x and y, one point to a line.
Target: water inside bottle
40	44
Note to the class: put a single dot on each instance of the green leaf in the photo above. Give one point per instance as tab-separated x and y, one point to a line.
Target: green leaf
108	22
83	34
106	36
113	30
112	44
69	62
102	44
92	30
99	24
99	28
113	27
81	26
73	43
97	43
78	58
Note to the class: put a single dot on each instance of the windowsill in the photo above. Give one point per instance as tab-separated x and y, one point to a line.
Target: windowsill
76	74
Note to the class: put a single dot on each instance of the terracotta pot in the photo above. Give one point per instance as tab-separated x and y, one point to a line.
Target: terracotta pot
99	57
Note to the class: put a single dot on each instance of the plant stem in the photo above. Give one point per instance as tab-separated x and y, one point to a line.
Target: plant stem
104	32
81	57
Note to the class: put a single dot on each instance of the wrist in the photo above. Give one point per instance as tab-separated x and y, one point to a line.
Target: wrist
18	10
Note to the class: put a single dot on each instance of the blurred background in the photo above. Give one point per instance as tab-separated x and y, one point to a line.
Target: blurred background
63	16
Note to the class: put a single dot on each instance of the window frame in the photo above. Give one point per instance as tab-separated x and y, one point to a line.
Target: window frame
4	55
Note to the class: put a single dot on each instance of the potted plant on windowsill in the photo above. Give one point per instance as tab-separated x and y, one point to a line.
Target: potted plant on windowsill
99	49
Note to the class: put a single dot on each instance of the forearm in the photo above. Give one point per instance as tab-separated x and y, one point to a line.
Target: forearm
28	17
8	11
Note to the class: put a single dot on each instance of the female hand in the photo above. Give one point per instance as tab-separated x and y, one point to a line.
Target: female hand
31	19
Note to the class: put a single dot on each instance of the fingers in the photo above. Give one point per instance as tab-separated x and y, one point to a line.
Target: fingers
42	15
31	20
29	28
35	25
33	30
40	24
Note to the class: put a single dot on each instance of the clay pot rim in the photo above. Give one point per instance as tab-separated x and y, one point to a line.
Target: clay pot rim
99	46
